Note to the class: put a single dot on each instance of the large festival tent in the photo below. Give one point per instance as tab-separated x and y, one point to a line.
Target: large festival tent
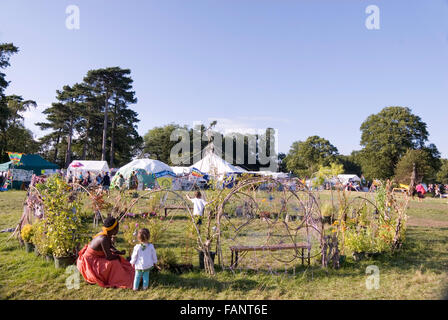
147	171
28	165
84	166
213	165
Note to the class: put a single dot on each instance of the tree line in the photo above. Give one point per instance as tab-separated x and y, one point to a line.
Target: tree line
93	119
393	140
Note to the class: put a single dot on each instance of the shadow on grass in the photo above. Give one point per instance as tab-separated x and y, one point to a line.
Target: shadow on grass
196	280
425	249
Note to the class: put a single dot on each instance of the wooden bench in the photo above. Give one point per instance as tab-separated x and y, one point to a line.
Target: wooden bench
285	246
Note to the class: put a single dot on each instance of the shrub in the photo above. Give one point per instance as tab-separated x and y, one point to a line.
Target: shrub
327	210
60	232
27	233
40	238
166	258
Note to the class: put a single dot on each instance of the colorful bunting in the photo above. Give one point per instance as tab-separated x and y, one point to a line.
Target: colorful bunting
15	157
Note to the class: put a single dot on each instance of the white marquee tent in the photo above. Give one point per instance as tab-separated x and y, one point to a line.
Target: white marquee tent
82	166
150	165
215	166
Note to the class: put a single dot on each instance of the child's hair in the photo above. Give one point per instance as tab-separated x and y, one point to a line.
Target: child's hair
143	235
198	194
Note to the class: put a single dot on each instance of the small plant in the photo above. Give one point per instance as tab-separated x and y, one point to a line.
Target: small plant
359	241
166	259
27	233
327	210
40	238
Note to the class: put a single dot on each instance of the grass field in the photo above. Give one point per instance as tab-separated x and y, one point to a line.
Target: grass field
418	271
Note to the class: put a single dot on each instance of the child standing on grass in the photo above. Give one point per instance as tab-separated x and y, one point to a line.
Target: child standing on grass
143	259
198	206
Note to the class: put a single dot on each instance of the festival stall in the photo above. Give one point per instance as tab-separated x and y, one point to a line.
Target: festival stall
22	167
149	172
78	167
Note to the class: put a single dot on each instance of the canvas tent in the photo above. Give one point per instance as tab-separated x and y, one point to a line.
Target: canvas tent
213	165
147	171
29	164
84	166
33	162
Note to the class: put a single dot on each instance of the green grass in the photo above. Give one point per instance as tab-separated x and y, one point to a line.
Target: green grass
417	271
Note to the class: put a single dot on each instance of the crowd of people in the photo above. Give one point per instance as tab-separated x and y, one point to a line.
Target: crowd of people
90	180
103	180
438	190
3	178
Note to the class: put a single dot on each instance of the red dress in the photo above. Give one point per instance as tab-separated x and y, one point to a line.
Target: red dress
96	269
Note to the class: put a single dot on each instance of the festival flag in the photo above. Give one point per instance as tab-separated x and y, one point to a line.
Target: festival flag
15	157
196	173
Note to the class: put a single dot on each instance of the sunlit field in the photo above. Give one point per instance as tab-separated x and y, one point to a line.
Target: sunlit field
417	271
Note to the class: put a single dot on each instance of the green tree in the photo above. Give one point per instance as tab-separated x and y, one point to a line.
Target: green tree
110	84
6	50
442	174
426	166
351	163
306	157
282	162
13	135
79	110
157	142
386	137
63	117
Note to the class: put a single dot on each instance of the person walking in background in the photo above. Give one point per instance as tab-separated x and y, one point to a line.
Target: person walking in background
99	179
133	181
105	183
420	190
121	182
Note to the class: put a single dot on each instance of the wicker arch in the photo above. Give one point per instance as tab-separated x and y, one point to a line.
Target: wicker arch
310	207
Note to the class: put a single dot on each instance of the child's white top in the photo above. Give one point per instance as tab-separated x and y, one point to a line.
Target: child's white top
143	259
198	206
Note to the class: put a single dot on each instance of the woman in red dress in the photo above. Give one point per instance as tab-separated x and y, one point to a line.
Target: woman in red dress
100	263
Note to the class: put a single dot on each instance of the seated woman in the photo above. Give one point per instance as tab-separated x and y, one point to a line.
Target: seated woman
100	262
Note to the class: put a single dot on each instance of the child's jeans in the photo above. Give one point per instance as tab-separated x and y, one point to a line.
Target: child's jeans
139	275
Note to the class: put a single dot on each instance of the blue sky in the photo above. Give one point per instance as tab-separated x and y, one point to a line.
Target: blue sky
303	67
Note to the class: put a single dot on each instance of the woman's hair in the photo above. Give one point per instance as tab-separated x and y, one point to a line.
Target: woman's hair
198	194
143	235
109	221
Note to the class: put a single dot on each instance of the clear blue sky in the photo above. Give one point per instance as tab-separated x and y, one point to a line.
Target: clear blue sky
303	67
